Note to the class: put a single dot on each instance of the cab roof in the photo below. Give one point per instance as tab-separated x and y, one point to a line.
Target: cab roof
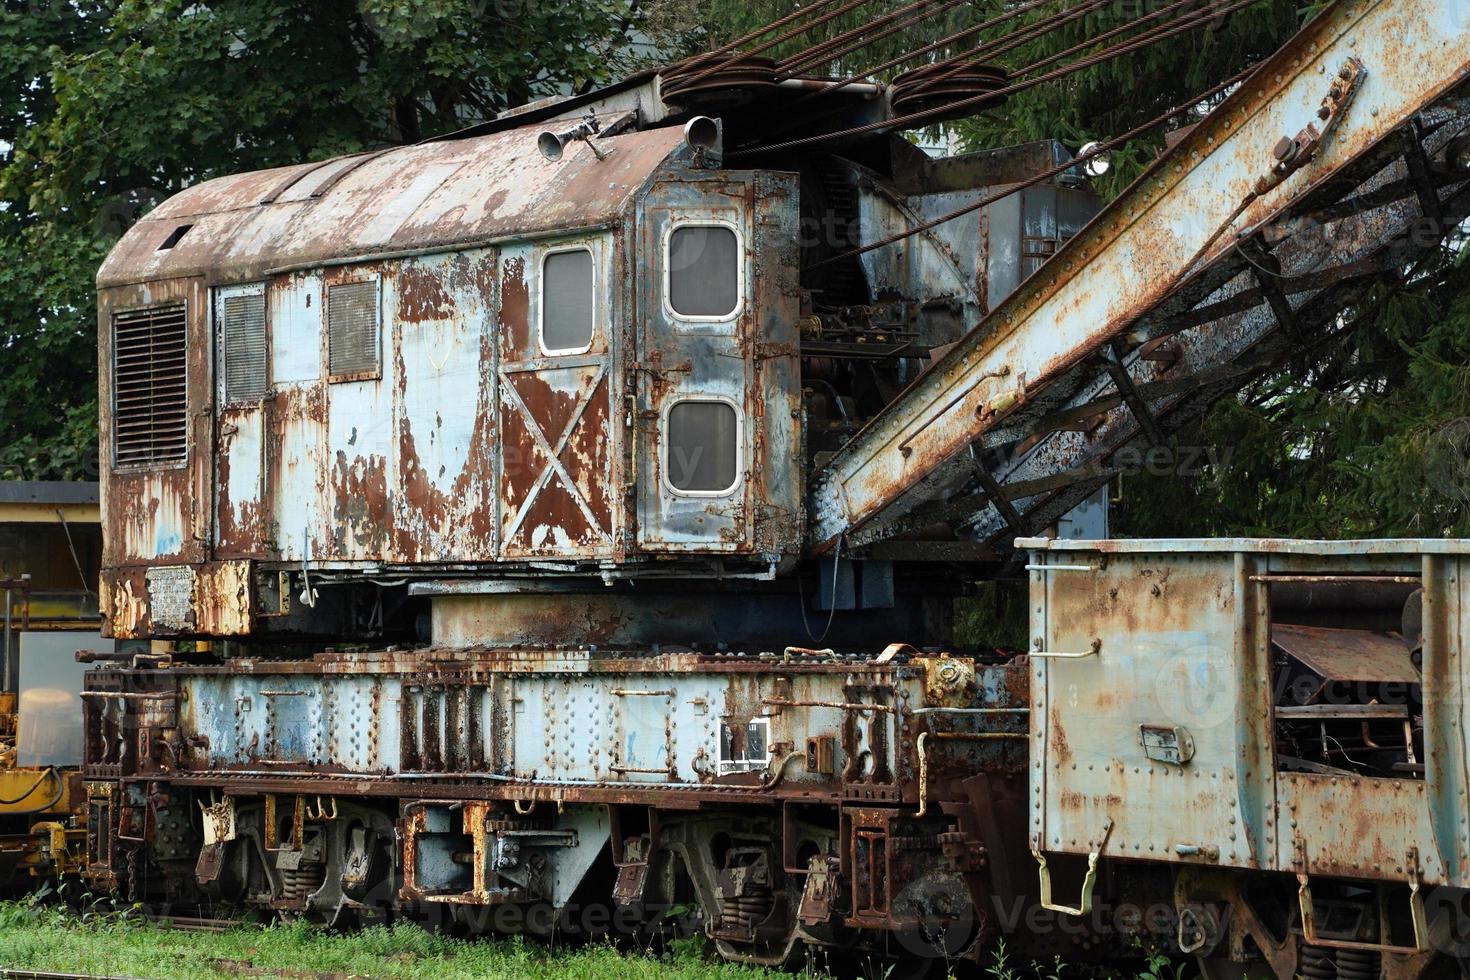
424	197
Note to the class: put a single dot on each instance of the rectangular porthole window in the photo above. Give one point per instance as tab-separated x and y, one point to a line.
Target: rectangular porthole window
702	447
352	330
149	386
242	344
568	301
702	267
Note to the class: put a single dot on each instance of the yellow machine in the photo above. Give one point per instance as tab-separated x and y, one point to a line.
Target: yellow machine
49	540
39	836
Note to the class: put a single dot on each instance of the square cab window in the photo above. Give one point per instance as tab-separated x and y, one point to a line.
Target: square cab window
568	302
702	449
703	265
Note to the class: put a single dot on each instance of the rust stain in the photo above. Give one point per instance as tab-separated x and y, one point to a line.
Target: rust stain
1059	743
515	307
422	295
361	511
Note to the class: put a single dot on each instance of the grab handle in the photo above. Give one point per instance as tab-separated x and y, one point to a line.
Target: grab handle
1416	914
1089	882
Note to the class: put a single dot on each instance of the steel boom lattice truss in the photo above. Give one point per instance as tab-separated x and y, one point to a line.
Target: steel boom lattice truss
1337	164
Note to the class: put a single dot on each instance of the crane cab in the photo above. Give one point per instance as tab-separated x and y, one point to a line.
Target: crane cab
454	359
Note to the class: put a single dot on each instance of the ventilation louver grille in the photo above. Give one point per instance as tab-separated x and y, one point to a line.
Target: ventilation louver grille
242	330
149	386
352	329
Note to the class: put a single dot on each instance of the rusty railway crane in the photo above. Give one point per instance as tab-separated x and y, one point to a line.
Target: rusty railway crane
573	507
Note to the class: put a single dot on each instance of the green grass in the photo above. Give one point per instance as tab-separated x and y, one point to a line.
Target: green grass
41	937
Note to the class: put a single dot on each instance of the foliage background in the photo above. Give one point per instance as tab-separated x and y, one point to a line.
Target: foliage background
107	108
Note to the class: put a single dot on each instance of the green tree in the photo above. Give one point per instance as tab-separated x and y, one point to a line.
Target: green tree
1369	438
47	351
109	108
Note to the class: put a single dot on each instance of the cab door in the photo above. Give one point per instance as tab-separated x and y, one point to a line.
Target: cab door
694	367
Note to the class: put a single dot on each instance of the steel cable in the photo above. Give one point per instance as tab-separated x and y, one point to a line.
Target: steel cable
1010	42
925	49
913	119
767	45
1121	29
1190	19
747	38
842	44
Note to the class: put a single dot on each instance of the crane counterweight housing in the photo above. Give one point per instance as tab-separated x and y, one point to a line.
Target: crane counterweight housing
568	512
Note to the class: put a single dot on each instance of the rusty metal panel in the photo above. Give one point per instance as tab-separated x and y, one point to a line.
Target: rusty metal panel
360	464
1344	827
293	315
241	439
716	359
239	478
942	262
1169	697
543	718
662	729
123	602
1169	656
445	448
780	474
394	464
224	603
157	513
281	719
297	414
171	600
557	411
1446	632
1348	655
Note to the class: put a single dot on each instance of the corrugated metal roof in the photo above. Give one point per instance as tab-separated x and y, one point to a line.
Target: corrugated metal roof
405	199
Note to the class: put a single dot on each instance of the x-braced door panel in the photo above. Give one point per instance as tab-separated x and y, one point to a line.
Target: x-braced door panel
556	399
